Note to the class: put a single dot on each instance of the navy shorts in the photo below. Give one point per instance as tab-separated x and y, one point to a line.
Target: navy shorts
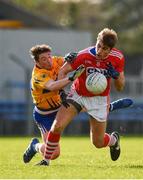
44	122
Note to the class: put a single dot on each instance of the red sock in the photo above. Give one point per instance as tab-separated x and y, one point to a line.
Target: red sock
51	144
106	139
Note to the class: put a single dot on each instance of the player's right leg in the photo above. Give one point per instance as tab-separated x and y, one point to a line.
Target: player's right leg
115	149
41	148
101	139
64	116
98	123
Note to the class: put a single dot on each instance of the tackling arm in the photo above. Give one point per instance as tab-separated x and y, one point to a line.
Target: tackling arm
62	81
57	85
65	69
64	78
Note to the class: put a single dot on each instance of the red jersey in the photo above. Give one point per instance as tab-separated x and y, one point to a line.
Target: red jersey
87	57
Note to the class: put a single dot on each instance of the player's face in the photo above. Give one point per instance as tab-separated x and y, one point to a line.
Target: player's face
45	61
102	51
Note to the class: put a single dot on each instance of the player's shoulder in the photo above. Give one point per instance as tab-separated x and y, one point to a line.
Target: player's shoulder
88	51
58	60
38	72
57	57
116	53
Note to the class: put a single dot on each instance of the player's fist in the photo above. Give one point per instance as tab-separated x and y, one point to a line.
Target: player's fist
75	74
70	57
112	72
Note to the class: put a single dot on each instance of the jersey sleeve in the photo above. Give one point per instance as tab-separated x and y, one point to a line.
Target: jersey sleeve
121	64
59	60
77	62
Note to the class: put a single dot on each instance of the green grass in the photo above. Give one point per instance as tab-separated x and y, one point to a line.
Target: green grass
79	160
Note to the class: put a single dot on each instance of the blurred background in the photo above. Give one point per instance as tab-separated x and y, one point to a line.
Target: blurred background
66	25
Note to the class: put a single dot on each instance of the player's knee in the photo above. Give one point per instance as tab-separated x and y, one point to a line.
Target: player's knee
57	127
98	143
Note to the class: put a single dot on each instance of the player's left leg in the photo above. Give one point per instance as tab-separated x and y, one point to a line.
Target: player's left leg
120	104
30	150
44	123
36	147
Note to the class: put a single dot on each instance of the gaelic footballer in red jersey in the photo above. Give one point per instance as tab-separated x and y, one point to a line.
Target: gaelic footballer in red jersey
102	57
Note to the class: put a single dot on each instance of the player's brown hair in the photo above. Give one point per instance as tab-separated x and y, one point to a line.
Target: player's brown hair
35	51
108	37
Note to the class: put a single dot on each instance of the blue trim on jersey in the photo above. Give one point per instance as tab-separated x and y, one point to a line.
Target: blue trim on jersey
93	51
44	122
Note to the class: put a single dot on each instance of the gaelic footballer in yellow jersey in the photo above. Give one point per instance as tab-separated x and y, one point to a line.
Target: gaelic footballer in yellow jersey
45	88
43	98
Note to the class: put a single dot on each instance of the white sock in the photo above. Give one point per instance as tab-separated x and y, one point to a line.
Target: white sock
38	147
112	140
111	107
47	160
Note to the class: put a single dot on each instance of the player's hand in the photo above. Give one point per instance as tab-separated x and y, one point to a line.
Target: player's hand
75	74
63	96
70	57
112	72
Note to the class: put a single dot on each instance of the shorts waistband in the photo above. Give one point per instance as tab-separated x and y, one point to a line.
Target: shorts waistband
45	112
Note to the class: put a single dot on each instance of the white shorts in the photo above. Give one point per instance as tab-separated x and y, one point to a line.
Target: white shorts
96	106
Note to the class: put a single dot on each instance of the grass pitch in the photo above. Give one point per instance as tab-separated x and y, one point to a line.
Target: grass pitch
79	160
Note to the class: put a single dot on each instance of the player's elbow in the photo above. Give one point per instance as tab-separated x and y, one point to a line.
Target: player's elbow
119	85
51	86
119	88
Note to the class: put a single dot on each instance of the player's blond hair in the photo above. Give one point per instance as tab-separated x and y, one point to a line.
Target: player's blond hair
108	37
35	51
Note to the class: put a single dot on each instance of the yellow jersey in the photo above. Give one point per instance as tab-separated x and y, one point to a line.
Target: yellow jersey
43	98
